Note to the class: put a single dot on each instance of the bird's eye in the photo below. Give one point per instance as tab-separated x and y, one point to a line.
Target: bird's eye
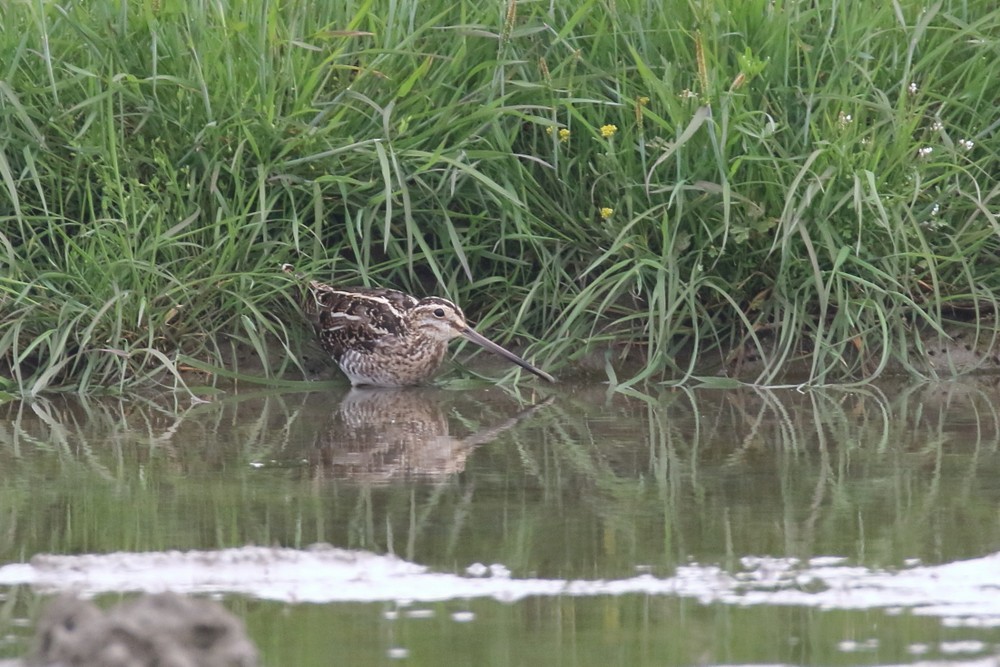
439	312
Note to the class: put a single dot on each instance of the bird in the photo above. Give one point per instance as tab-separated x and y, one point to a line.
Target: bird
387	338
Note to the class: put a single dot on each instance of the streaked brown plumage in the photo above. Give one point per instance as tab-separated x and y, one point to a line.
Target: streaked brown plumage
386	338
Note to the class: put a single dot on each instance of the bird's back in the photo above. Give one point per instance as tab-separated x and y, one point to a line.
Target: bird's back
355	318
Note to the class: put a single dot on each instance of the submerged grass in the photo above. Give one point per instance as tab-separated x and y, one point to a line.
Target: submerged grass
677	180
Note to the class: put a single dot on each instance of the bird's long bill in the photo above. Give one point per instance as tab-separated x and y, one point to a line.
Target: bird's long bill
485	342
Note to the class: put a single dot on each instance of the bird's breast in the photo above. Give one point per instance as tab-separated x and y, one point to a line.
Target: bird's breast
392	361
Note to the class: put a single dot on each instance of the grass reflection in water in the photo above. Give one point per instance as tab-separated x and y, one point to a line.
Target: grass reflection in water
577	485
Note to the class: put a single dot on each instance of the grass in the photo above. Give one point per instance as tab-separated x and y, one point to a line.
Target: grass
803	181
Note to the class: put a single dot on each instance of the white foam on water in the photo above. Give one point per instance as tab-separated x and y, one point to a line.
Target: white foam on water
963	593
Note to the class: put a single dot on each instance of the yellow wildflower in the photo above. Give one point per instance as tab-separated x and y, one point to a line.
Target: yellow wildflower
643	101
607	212
608	130
563	133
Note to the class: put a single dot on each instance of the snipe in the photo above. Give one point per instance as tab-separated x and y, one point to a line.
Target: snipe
386	338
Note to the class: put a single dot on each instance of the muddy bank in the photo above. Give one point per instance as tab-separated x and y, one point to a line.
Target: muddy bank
959	348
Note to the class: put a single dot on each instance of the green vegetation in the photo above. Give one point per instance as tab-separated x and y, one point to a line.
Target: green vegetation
672	179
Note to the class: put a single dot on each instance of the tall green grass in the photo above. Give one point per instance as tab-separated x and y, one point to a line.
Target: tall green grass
801	180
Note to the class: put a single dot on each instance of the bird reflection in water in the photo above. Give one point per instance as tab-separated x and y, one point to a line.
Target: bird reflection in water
386	434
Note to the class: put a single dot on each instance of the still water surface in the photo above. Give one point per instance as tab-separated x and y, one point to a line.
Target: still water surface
562	526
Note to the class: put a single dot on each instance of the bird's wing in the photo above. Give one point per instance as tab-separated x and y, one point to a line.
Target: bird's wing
355	317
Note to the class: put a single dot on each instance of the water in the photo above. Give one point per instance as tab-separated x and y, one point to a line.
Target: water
565	526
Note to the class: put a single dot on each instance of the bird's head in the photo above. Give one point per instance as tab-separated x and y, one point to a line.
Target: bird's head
442	320
438	318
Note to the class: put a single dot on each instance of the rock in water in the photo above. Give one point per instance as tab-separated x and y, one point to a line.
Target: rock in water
165	630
